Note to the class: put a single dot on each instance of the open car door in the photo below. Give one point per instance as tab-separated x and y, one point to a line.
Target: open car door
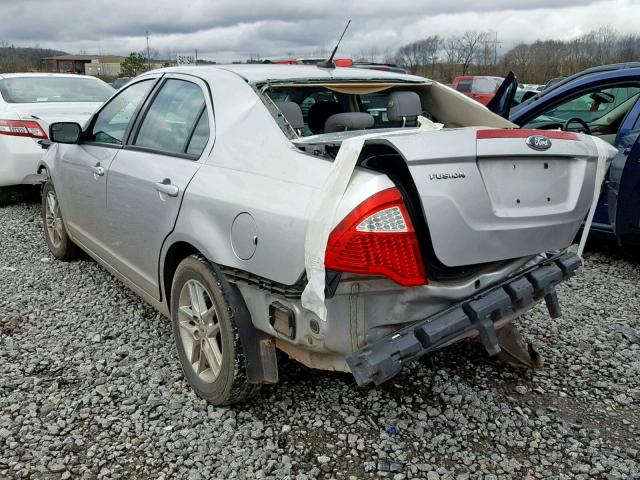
503	99
624	182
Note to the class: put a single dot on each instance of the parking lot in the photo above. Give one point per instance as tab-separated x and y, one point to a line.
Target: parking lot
91	388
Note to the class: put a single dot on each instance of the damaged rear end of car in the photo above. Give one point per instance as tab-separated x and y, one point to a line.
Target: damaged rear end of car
438	222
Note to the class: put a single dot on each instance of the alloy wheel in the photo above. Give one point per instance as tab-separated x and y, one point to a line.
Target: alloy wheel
54	220
200	330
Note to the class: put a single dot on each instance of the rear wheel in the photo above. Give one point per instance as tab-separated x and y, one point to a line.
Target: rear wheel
206	334
55	233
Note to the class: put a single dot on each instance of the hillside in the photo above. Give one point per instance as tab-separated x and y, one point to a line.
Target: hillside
23	59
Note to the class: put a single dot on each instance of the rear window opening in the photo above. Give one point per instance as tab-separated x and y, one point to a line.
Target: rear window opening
318	108
317	104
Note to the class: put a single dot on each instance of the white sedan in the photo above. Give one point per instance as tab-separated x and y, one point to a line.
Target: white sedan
29	102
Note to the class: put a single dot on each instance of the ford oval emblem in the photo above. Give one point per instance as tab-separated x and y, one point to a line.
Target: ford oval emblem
539	142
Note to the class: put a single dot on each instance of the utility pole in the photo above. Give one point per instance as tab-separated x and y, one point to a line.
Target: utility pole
148	56
495	48
196	56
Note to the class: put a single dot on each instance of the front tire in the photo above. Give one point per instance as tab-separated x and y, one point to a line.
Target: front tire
55	233
207	339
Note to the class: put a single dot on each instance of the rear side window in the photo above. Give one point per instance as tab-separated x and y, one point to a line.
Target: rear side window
172	117
200	136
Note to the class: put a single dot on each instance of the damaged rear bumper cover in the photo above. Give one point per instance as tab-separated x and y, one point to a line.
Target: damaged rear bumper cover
384	358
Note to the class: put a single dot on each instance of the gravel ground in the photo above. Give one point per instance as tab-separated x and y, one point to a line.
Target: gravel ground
90	387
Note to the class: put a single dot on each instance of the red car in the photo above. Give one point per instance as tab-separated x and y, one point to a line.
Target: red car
480	88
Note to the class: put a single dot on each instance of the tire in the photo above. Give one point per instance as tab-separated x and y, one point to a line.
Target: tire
55	232
207	338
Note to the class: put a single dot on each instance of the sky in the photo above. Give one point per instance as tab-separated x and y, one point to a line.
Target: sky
224	31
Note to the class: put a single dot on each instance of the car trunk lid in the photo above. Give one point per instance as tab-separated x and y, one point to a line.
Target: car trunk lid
492	194
47	113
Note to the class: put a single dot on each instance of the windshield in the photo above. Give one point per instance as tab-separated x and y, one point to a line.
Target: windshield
54	89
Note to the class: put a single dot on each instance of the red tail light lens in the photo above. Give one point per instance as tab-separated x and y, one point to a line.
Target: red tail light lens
377	238
22	128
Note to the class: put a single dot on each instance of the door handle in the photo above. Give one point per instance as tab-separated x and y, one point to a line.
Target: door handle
167	188
98	170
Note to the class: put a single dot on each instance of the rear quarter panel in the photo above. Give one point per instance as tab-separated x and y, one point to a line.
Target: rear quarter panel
253	168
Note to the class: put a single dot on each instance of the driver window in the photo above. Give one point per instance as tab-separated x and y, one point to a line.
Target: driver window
113	120
588	107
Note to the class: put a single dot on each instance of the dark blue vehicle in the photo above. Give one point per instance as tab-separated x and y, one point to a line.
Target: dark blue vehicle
604	102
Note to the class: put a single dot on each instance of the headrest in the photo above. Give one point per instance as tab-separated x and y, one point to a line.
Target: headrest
348	121
403	104
319	113
292	113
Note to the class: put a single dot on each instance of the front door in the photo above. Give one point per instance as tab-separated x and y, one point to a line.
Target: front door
82	172
149	176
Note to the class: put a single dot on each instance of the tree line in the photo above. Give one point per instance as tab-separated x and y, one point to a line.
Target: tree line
477	53
23	59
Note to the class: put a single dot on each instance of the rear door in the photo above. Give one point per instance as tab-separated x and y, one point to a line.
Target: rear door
80	174
150	174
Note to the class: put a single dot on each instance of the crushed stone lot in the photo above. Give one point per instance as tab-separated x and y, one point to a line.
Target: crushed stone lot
90	387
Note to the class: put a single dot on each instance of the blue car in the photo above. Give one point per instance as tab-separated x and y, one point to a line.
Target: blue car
604	102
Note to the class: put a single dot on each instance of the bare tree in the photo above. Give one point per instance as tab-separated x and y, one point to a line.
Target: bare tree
420	54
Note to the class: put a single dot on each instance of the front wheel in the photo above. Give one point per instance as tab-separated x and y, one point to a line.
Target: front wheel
55	233
206	334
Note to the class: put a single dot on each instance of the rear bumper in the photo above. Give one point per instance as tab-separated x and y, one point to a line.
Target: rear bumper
478	315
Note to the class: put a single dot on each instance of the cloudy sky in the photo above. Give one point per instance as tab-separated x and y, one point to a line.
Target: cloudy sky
229	30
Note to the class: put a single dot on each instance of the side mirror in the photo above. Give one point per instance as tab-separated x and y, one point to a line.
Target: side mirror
65	132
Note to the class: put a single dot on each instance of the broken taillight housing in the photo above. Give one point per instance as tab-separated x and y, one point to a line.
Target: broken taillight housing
22	128
378	238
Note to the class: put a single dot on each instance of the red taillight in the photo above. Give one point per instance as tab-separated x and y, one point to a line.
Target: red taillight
377	238
22	128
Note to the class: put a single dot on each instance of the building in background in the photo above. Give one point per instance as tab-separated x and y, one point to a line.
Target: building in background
96	65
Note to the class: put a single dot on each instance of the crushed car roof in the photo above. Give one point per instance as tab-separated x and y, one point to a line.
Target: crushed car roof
256	73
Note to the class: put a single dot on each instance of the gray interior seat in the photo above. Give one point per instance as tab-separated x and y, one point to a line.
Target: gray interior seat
403	106
348	121
319	112
292	113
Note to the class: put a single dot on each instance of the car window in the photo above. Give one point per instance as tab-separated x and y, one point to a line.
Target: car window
586	106
200	136
54	89
171	118
113	120
464	86
485	85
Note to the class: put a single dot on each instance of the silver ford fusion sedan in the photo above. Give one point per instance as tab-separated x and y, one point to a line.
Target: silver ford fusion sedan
197	187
